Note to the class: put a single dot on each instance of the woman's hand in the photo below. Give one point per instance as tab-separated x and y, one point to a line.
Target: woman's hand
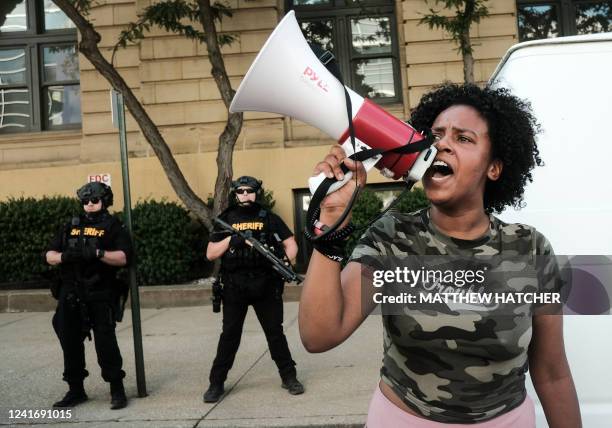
332	305
335	203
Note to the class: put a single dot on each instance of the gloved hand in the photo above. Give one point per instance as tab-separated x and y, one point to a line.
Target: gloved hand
237	241
221	235
72	255
89	253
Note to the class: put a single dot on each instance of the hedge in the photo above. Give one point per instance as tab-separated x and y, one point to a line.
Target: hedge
170	244
369	205
26	227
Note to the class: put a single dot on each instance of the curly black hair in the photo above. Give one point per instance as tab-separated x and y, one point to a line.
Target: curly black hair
512	130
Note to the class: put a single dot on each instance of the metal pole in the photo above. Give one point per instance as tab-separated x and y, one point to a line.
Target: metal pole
127	211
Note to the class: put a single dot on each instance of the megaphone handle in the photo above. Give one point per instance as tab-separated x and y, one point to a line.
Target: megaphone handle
368	164
315	182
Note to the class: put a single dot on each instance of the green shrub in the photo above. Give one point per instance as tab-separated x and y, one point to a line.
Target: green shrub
27	225
412	201
369	205
169	244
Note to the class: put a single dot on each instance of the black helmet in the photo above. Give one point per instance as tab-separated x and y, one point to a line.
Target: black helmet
95	189
247	181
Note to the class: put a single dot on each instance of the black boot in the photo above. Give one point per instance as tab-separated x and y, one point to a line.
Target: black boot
118	398
213	393
293	385
75	395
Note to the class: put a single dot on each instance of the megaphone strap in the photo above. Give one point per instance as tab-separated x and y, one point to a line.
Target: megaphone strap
339	234
329	61
406	149
321	192
329	235
314	209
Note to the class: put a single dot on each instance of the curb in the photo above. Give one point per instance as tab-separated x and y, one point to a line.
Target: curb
151	297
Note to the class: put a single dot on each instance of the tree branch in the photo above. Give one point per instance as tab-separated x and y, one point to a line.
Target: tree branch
89	48
227	139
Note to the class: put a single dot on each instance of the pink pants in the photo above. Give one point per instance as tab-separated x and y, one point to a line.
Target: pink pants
384	414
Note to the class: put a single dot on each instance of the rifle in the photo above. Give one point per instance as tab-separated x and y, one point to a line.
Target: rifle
81	287
277	264
217	295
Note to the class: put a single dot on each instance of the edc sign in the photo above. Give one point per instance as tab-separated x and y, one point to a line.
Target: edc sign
103	178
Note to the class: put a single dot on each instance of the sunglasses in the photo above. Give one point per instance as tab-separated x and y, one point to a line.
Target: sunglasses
244	191
92	200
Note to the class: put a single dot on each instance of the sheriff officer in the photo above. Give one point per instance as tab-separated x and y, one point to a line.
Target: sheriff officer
248	279
89	250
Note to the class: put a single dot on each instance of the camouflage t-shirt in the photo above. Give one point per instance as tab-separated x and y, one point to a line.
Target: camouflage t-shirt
454	369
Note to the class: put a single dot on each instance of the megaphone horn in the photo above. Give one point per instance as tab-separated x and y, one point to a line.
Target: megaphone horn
288	79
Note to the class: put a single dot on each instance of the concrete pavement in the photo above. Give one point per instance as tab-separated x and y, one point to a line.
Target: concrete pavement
151	296
179	346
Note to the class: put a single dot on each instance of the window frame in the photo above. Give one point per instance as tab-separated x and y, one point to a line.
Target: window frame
557	4
567	13
572	10
45	84
33	41
341	12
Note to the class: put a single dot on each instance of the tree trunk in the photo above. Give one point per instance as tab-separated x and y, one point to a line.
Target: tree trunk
466	42
89	47
227	139
468	67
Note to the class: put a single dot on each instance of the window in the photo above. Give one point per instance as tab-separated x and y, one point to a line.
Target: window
39	68
363	38
544	19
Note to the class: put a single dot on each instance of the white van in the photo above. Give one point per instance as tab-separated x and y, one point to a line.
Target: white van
569	84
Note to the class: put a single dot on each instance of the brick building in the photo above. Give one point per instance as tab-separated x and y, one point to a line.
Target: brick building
55	123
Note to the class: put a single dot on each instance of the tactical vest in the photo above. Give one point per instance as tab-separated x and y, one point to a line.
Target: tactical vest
245	258
81	232
87	234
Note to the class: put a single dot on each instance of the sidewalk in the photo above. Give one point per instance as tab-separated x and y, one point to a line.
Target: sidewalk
151	296
179	346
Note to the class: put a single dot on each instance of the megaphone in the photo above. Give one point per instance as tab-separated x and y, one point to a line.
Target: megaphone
287	78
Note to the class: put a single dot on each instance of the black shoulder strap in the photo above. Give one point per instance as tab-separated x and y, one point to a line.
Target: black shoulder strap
65	229
74	221
264	217
329	61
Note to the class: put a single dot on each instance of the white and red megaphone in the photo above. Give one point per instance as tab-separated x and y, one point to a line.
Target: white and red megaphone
287	78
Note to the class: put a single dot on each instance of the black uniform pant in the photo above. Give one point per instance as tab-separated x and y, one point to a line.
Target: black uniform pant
269	311
67	326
